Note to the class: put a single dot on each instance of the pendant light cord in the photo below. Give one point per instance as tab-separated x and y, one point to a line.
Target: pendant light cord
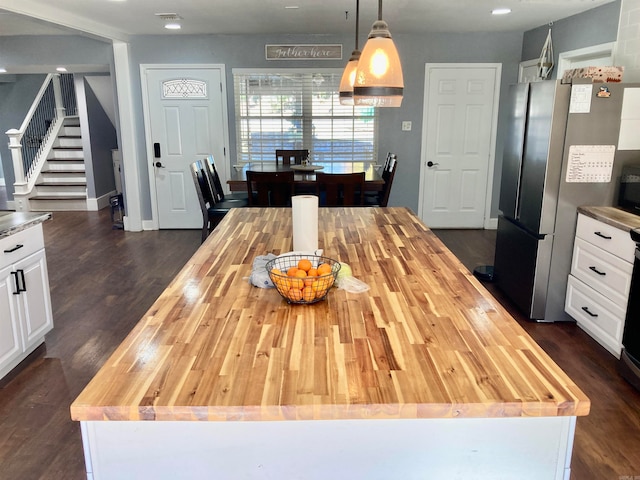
379	9
357	20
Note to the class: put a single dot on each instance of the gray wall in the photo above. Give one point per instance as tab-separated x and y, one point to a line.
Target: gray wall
20	50
593	27
240	51
103	139
415	51
15	100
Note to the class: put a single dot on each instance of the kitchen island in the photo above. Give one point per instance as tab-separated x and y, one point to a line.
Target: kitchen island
423	376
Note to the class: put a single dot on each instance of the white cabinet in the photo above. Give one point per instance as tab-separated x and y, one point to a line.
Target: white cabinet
25	301
598	286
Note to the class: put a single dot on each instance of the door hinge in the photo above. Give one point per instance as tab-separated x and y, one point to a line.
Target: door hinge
221	88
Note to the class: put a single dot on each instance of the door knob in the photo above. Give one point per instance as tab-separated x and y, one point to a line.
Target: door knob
159	165
431	164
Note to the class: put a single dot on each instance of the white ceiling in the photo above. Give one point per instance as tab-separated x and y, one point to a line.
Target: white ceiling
122	18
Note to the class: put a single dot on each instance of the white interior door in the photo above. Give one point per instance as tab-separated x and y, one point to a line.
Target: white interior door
460	117
186	119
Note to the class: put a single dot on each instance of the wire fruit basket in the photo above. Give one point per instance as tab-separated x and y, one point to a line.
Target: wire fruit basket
303	279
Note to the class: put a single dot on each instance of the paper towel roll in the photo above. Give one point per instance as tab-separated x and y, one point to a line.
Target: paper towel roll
304	213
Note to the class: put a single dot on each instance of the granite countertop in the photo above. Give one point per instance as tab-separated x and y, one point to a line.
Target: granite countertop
14	222
613	216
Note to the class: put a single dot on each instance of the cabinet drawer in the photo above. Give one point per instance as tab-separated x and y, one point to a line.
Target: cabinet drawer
596	314
613	240
604	272
20	245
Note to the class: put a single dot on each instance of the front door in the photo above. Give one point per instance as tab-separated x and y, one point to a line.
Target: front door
186	116
460	119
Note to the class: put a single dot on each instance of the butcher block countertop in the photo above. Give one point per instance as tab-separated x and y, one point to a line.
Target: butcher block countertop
613	216
426	341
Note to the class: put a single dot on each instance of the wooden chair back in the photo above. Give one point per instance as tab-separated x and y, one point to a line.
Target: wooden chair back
291	157
270	189
387	175
340	189
204	194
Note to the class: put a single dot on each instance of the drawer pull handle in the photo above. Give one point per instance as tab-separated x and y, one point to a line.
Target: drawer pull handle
586	309
602	235
594	269
11	250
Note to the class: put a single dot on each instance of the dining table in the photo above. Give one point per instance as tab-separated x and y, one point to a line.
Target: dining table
305	175
422	375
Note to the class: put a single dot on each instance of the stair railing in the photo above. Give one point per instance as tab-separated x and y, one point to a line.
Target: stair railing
35	137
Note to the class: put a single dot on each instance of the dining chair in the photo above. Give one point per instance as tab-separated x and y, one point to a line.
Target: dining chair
340	189
381	198
288	157
270	189
212	211
218	191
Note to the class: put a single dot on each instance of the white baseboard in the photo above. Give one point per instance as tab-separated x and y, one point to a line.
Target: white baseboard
148	225
95	204
491	224
11	205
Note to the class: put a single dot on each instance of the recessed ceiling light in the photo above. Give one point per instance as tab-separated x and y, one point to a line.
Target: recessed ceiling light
500	11
172	26
3	70
61	69
291	7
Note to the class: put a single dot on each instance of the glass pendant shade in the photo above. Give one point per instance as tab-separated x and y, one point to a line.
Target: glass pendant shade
348	79
379	80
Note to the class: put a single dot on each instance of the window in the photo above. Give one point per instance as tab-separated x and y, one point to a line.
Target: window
298	109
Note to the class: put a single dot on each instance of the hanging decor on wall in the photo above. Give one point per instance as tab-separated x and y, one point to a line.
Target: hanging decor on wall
303	52
379	80
545	63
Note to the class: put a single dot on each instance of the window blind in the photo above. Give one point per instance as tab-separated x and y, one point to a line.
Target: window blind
300	109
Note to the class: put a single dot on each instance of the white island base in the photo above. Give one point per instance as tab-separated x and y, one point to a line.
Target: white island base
532	448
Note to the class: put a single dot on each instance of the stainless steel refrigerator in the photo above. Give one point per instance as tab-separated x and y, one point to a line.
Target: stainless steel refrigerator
538	205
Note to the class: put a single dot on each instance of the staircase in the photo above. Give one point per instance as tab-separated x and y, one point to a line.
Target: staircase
62	183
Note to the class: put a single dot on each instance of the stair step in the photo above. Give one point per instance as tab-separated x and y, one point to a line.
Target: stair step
66	154
64	166
70	142
58	197
65	183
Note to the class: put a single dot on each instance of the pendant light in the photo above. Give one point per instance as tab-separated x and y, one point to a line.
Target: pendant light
379	79
349	74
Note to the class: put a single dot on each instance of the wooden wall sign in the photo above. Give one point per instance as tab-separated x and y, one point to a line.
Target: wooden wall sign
303	52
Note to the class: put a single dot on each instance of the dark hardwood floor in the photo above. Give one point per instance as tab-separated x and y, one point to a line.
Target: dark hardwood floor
103	281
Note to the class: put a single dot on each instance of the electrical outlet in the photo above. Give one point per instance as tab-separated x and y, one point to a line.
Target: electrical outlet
406	126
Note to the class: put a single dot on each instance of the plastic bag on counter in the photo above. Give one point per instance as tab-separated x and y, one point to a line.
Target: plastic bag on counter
259	276
346	281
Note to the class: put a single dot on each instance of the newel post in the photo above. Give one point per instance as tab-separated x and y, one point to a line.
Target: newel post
16	155
57	94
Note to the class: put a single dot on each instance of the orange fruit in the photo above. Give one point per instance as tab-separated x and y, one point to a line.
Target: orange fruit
308	281
295	294
304	264
308	294
277	271
300	274
292	271
296	282
313	272
324	269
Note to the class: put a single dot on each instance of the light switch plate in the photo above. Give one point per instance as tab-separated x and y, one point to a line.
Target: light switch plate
406	126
